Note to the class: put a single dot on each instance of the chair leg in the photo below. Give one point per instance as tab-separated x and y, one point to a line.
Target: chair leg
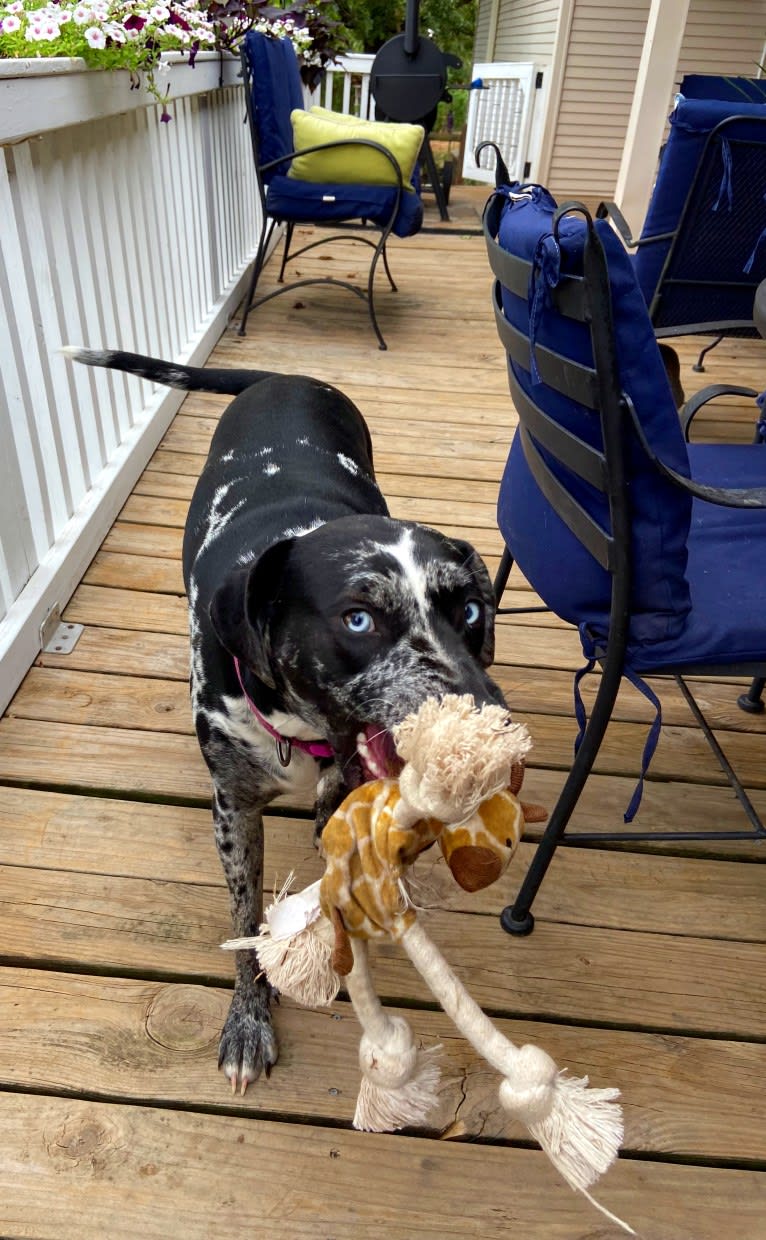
394	289
380	249
502	575
257	269
517	918
698	366
752	701
288	240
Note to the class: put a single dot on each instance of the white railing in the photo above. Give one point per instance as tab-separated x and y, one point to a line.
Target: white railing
115	230
346	85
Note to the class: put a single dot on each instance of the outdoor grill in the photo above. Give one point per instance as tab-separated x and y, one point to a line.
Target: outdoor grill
408	81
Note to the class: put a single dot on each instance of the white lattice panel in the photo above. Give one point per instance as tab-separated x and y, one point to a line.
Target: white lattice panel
501	113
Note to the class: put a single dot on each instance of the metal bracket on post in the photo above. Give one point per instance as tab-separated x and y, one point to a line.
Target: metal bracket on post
56	636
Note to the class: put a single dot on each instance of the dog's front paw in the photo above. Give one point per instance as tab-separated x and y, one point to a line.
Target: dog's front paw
248	1043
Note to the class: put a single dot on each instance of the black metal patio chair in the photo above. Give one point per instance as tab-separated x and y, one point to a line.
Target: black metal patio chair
702	249
653	548
347	173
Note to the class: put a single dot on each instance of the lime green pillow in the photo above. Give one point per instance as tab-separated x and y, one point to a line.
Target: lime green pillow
352	165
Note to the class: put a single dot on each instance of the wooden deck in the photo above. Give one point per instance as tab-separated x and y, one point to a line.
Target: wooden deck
646	969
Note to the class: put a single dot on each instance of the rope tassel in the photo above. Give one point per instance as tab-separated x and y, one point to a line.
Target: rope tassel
580	1129
400	1083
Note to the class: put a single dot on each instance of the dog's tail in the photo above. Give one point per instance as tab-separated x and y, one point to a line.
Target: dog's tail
190	378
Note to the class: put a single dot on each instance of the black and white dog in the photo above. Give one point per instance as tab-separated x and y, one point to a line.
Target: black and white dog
317	623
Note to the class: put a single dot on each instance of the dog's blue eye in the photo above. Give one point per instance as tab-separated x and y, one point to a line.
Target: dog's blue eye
359	621
472	613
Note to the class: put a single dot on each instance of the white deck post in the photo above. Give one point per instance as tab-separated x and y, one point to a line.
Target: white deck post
654	89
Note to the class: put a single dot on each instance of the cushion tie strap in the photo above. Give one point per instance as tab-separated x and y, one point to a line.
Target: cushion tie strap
726	186
748	267
652	737
546	273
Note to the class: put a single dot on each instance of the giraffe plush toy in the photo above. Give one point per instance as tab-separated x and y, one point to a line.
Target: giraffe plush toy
463	767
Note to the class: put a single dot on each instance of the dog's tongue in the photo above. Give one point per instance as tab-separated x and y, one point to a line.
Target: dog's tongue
375	747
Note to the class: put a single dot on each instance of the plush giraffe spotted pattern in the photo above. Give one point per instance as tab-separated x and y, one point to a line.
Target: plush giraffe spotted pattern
376	835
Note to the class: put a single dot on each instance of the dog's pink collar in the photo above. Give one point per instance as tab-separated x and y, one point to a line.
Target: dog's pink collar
284	744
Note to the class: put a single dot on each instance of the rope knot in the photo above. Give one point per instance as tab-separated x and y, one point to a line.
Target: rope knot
390	1066
528	1090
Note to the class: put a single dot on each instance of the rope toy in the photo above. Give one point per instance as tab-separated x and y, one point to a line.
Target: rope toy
463	767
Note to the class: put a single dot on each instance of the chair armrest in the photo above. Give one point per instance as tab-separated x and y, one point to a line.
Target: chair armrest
610	211
727	497
326	146
694	403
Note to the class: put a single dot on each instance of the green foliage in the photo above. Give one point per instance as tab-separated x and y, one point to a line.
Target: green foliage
450	23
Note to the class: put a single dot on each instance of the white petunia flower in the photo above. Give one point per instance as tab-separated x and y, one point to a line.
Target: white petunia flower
49	30
10	24
95	37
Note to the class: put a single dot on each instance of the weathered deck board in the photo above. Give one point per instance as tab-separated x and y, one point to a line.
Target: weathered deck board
644	980
646	969
93	1170
154	1041
160	704
62	753
60	831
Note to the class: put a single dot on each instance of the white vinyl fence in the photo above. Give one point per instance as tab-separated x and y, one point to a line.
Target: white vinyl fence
115	230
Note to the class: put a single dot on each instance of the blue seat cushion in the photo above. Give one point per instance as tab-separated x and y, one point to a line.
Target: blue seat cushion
725	570
307	202
727	203
557	565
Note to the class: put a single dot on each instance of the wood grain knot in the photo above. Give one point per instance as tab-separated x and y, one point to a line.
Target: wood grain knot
186	1018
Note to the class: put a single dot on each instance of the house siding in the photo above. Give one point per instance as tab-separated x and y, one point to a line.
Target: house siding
587	137
603	56
602	62
525	31
723	38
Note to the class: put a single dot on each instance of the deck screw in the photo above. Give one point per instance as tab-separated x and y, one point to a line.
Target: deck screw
333	1092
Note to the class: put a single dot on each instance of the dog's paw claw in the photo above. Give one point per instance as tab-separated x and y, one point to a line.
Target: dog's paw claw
248	1044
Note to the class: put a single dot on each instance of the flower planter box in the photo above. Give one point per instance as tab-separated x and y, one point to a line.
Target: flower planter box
45	93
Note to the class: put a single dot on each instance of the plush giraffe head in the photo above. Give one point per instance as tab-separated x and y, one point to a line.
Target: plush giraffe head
463	768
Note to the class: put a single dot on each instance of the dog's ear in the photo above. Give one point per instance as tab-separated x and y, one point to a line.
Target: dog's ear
478	570
241	608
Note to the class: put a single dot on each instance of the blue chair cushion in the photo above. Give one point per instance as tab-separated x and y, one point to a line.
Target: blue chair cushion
307	202
712	86
727	552
739	218
562	571
277	90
